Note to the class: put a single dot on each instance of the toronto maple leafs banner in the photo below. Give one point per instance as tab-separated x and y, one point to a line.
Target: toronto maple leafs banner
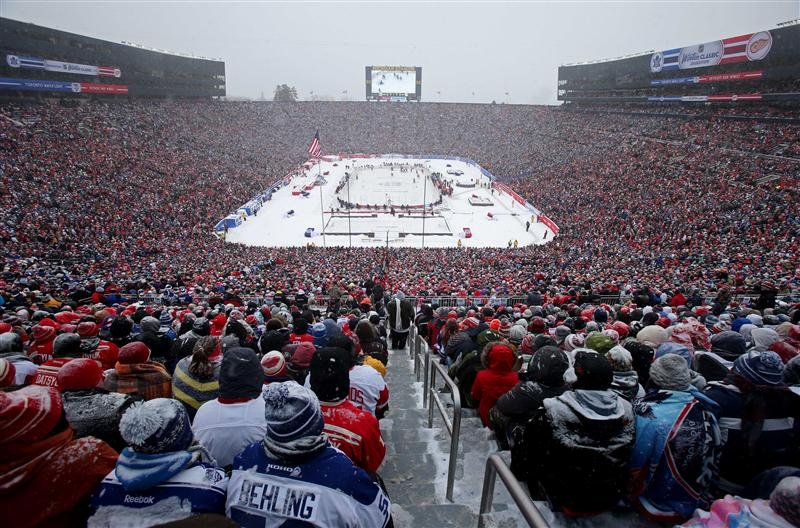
16	61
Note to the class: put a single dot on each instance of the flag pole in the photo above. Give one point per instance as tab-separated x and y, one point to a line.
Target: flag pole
321	207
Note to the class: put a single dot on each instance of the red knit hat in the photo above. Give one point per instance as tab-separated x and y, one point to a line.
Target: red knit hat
80	374
495	325
274	365
132	353
87	329
8	373
29	414
5	327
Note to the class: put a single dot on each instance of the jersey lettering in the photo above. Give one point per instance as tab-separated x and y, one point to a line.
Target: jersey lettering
285	501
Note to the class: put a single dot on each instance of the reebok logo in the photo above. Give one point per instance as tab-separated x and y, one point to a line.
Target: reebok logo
130	499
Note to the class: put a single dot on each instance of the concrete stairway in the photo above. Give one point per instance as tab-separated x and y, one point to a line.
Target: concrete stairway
415	469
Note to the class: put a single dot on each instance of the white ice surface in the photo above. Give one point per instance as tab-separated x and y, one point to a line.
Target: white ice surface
270	227
403	82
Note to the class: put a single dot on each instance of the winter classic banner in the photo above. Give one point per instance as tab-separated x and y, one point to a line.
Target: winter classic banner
750	47
37	85
64	67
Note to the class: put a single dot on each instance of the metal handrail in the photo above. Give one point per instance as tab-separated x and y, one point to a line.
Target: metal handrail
495	465
453	427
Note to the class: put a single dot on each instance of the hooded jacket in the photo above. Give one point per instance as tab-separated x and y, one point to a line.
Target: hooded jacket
675	461
96	412
626	384
495	381
580	446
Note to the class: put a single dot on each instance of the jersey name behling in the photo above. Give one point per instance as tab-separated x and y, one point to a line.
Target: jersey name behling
286	501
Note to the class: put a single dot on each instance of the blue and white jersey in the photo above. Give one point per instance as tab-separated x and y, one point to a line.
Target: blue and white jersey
328	491
198	489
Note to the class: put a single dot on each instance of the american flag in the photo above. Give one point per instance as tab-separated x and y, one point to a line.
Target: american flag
315	147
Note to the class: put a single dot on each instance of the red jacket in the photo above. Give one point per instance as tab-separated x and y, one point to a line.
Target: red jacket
301	338
43	337
48	372
354	432
495	381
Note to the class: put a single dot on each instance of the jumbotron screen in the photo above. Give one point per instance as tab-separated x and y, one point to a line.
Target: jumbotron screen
394	83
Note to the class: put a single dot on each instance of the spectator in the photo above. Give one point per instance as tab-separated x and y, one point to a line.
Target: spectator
496	380
136	375
235	419
196	377
294	456
400	314
160	477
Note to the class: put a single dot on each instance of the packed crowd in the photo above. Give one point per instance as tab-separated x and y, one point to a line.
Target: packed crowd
142	414
123	196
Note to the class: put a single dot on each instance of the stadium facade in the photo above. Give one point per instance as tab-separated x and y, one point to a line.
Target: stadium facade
759	66
38	59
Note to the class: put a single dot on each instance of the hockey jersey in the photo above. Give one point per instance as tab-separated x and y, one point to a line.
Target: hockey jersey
354	432
368	390
198	489
328	490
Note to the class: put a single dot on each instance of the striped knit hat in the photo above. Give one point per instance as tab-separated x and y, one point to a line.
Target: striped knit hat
274	365
29	414
762	369
7	373
294	419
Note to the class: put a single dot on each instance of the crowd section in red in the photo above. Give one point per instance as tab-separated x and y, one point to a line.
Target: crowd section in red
126	195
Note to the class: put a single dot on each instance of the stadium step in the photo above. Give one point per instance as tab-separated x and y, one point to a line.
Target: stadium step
415	468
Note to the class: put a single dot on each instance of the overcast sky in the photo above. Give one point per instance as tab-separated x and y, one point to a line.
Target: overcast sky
464	48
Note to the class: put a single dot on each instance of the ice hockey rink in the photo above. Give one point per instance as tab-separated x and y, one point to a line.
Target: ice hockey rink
490	226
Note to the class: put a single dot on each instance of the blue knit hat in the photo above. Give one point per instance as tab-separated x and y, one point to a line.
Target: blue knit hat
292	412
761	369
674	348
165	319
160	425
320	334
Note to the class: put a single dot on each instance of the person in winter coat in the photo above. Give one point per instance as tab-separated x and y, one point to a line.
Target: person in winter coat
757	414
66	347
626	381
496	380
315	484
183	346
196	377
46	475
300	333
461	343
11	349
509	417
399	315
678	443
353	431
41	348
159	344
582	440
234	419
160	477
370	344
89	408
726	347
135	374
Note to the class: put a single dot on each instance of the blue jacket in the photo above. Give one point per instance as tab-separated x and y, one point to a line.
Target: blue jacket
327	490
169	482
675	459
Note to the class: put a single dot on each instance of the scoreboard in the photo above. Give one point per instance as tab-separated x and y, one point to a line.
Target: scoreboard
393	83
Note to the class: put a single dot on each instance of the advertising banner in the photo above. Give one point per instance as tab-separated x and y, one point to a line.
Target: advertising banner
705	98
700	79
36	85
750	47
549	223
64	67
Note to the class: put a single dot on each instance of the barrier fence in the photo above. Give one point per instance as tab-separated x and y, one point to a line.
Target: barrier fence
453	427
495	465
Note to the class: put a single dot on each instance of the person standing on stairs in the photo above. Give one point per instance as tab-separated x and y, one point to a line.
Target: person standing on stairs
400	316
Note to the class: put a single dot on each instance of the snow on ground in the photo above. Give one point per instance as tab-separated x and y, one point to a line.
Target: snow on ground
273	228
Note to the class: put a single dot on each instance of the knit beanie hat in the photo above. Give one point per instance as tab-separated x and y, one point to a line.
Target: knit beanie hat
517	333
495	325
330	374
67	345
320	334
160	425
134	353
299	355
620	359
677	349
670	372
8	373
80	374
148	324
29	414
273	340
785	500
573	341
274	366
294	421
791	372
561	333
729	343
593	371
240	375
760	369
756	320
599	342
547	366
652	336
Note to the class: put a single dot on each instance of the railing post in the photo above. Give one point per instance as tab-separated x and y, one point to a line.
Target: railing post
431	396
454	437
425	379
487	495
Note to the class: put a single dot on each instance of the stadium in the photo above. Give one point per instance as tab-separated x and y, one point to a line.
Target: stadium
361	313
